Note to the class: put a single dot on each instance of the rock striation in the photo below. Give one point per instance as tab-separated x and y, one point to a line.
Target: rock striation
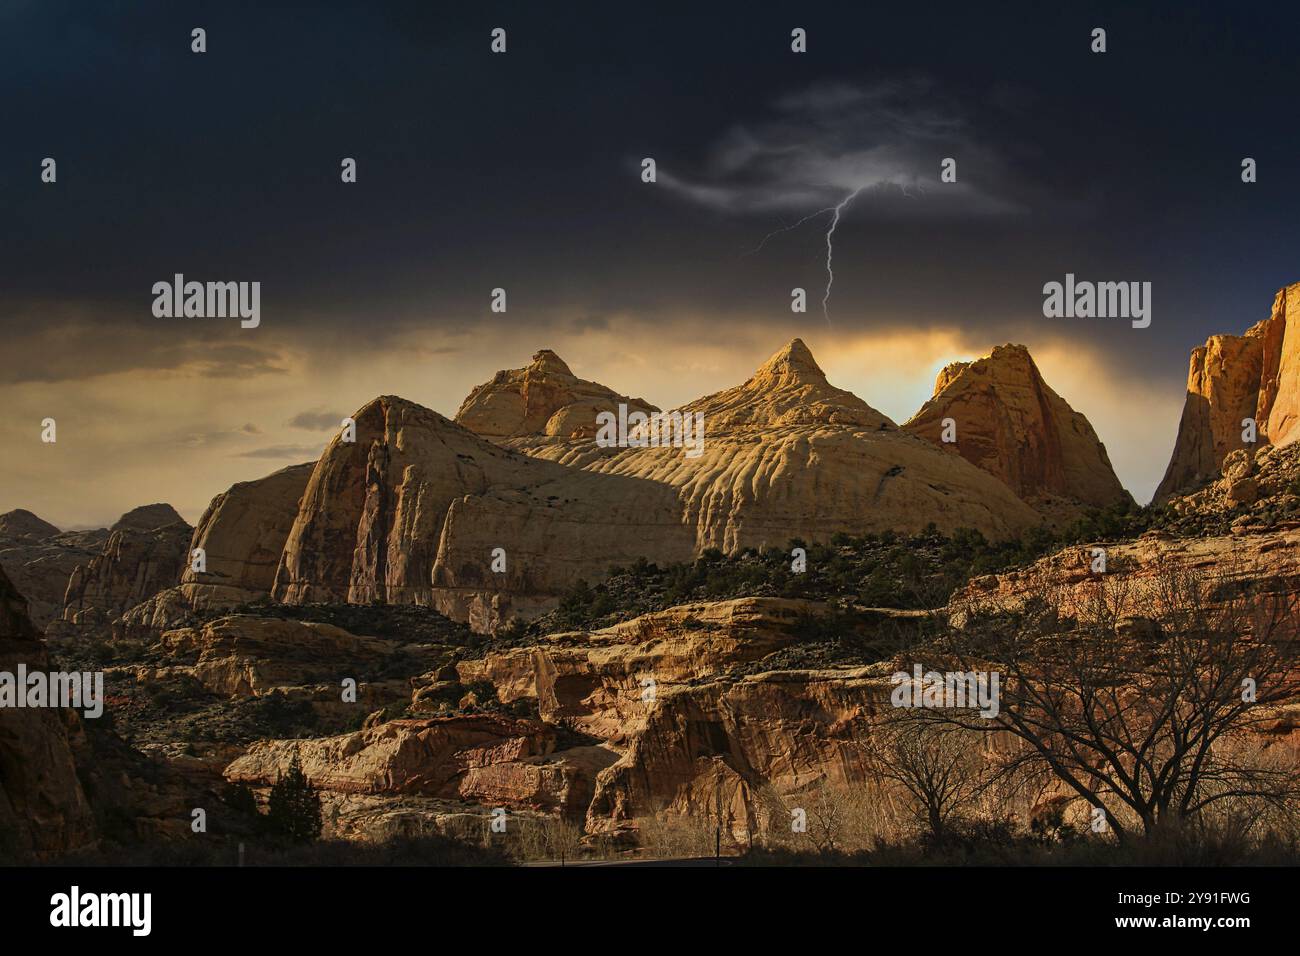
1007	421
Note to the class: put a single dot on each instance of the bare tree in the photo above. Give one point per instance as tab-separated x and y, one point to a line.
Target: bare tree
1144	696
938	765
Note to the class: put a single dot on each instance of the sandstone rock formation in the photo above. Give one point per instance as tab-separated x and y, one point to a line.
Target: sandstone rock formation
658	721
544	398
1232	378
705	735
1010	423
427	757
247	655
787	454
139	559
412	511
43	810
241	534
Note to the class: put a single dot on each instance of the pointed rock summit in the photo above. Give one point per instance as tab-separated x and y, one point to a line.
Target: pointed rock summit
23	524
1233	378
1008	421
544	398
788	389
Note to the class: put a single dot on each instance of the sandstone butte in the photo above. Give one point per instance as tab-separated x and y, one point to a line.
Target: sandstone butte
1232	378
1008	421
411	512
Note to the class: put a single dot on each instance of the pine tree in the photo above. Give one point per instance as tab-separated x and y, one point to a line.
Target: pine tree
294	808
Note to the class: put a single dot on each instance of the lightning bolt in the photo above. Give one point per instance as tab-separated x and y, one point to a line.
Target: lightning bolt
776	232
835	212
830	248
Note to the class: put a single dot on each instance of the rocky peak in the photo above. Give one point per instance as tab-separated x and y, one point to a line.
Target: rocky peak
544	398
20	523
547	362
788	389
1010	423
793	364
147	518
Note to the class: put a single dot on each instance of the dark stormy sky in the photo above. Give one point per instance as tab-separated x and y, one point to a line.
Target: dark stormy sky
521	171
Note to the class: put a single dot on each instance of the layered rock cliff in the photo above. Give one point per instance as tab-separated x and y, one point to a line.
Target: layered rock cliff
1006	420
1232	378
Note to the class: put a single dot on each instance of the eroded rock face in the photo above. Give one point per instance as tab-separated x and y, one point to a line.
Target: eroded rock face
1009	422
719	744
415	510
1269	560
242	534
1223	388
43	810
137	562
246	655
544	398
1232	378
657	721
401	757
690	734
